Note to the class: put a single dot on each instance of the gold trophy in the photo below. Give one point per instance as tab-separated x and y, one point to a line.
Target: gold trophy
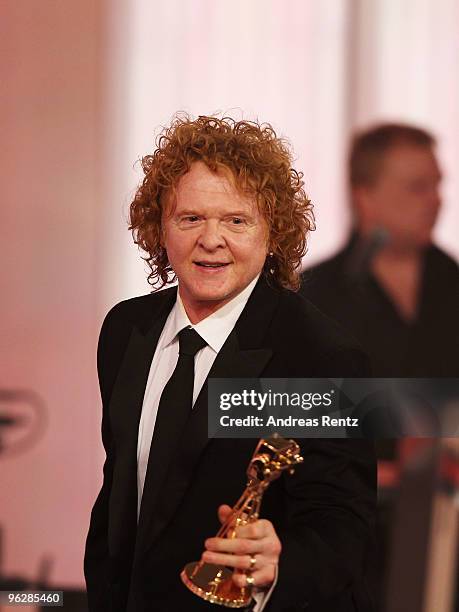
213	582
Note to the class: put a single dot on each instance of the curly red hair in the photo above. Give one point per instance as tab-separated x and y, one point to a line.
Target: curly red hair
259	162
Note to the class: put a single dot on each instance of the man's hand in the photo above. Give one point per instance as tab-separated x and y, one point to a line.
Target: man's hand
257	540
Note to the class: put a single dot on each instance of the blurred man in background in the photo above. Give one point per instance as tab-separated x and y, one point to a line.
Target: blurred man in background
390	286
395	291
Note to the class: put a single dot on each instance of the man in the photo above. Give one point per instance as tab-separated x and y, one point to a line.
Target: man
221	209
390	287
395	291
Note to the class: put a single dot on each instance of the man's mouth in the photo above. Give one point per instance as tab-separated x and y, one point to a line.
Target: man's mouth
208	264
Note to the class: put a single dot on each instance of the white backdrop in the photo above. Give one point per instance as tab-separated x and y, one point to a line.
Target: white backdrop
315	69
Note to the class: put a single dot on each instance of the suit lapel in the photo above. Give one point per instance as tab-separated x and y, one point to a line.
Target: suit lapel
242	356
125	409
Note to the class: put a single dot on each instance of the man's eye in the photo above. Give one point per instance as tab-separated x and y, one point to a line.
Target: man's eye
237	220
191	218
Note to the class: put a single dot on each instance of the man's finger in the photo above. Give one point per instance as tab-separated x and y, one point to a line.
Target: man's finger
255	530
236	546
261	578
223	512
241	562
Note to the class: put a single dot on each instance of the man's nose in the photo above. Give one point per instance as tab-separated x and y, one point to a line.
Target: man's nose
211	235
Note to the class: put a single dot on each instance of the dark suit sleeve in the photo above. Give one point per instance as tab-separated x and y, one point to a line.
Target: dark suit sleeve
96	560
330	508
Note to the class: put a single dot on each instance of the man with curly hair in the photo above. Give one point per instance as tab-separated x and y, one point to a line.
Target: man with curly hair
221	210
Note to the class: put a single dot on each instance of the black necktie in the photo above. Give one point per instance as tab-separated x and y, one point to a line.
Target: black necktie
176	400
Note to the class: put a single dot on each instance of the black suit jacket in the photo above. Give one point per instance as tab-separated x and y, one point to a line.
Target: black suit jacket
323	514
345	288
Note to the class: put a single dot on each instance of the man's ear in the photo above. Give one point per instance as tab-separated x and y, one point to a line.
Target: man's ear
363	204
164	206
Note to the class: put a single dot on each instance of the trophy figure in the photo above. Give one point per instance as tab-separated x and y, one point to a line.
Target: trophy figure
212	582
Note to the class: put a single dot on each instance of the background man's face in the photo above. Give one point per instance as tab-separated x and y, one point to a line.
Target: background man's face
405	199
216	240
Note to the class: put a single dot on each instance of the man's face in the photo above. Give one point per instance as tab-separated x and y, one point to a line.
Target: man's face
216	240
405	199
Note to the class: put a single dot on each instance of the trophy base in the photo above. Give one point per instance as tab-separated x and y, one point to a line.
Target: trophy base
215	584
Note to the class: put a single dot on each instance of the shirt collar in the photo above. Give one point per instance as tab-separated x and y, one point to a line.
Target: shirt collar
215	328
